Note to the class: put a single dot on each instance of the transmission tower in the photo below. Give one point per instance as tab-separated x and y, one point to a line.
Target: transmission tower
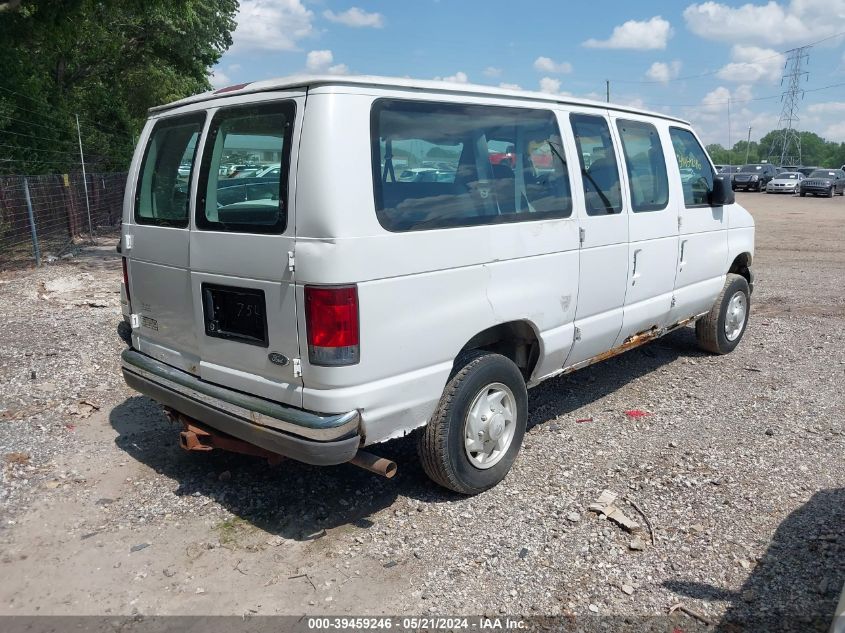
790	145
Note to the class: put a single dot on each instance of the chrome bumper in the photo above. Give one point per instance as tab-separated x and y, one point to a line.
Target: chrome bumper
310	437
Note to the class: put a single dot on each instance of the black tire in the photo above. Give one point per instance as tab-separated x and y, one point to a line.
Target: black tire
830	192
803	194
710	329
441	443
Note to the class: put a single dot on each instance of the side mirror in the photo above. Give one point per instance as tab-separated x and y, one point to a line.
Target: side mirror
722	193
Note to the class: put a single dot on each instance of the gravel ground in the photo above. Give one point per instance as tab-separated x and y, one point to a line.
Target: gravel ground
738	465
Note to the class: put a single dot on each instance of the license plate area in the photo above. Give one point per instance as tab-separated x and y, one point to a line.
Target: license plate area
237	314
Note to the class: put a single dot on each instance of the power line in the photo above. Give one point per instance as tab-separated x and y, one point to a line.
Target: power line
700	105
714	72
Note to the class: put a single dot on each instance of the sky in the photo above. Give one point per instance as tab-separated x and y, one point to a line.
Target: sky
716	64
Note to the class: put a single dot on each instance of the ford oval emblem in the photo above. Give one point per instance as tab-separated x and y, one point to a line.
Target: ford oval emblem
278	359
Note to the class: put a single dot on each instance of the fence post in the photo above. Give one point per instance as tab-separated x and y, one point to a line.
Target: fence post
84	178
35	248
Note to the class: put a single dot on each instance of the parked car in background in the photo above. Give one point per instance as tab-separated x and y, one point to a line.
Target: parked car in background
754	177
807	170
270	171
785	182
824	182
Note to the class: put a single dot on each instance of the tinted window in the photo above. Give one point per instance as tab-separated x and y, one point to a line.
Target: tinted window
696	172
444	165
645	164
161	196
246	203
823	173
599	171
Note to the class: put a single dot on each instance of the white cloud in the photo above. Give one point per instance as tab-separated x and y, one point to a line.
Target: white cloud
459	77
321	62
492	71
834	132
661	71
716	100
752	64
824	108
272	25
548	65
508	86
219	79
646	35
770	23
631	102
548	84
356	18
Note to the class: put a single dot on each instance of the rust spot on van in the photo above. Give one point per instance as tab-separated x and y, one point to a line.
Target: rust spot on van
635	340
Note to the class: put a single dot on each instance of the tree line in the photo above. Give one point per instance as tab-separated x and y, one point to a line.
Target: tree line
815	151
106	61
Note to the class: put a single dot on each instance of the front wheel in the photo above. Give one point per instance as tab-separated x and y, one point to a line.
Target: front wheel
721	329
475	434
803	194
830	192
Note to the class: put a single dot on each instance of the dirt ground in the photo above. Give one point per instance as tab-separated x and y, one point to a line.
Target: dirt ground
738	465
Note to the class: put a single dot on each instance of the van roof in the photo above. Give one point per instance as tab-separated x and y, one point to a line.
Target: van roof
310	81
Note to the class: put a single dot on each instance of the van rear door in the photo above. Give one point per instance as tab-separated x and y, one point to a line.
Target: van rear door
209	256
241	249
156	237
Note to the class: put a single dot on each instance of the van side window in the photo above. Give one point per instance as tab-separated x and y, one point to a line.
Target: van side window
244	176
646	165
696	172
599	171
161	195
439	165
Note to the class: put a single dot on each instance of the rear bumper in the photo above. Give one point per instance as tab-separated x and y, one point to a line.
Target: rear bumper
301	435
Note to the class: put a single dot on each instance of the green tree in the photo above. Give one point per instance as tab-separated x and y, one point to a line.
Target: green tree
107	61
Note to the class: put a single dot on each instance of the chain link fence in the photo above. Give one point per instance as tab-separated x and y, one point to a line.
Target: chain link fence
40	216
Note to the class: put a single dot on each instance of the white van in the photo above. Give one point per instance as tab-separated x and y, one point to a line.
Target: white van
337	305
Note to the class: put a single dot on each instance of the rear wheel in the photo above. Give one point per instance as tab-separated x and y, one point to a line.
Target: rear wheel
475	434
721	329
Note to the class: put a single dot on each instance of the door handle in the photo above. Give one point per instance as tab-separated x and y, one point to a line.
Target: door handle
635	275
683	262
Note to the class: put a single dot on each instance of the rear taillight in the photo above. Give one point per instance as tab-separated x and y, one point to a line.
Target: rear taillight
126	279
331	320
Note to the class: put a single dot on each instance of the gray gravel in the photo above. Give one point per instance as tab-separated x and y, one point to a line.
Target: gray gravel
738	466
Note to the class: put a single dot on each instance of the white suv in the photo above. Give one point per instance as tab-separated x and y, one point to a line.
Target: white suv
342	305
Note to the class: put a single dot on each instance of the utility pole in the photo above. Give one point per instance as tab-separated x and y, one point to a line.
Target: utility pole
790	147
607	89
729	131
84	179
748	145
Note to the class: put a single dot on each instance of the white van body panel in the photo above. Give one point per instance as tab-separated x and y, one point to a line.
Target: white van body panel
603	264
423	295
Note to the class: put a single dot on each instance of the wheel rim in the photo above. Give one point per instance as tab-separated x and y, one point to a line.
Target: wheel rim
735	315
490	425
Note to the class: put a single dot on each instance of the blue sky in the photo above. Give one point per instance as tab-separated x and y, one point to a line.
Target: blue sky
692	59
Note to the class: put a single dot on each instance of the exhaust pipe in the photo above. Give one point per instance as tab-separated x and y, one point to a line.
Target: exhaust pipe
375	464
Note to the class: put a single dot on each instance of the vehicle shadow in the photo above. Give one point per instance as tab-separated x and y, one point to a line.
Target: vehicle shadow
563	395
299	501
796	584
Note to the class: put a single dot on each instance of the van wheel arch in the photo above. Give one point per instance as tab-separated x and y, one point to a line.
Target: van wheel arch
515	340
742	266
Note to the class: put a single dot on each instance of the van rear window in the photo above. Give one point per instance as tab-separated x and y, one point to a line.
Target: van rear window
439	165
161	195
244	176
